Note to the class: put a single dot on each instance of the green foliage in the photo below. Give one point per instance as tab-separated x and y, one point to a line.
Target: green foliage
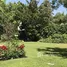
1	30
4	37
59	38
36	20
51	29
13	50
59	18
57	55
56	38
46	40
33	5
56	3
7	20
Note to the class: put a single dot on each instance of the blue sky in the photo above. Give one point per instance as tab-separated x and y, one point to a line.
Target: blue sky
61	9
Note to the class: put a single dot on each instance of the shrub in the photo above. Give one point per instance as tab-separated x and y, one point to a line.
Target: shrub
3	51
65	38
12	51
4	37
46	40
56	38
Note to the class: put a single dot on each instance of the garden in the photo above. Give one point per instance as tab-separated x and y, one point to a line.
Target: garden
12	50
33	33
40	55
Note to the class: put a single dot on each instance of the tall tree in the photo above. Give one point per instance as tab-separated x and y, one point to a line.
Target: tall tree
32	5
59	2
45	14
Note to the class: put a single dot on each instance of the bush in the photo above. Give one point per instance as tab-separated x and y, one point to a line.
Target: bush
56	38
12	51
4	37
65	38
46	40
59	38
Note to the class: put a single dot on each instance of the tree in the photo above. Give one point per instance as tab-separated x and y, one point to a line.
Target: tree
59	18
33	5
59	2
36	20
7	20
45	14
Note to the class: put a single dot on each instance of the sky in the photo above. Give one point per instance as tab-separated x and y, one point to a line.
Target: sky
61	9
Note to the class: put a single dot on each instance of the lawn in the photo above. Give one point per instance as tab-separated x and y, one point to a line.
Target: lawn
40	55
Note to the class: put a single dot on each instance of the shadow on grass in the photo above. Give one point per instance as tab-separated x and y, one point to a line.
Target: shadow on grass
54	51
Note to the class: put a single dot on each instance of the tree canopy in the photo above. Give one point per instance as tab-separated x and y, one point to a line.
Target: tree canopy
36	21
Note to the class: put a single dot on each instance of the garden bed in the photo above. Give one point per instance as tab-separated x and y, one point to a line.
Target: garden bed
12	50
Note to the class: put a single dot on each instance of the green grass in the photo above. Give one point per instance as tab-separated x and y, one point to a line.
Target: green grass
40	55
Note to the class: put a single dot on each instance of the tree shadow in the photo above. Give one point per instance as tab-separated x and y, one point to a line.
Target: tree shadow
62	52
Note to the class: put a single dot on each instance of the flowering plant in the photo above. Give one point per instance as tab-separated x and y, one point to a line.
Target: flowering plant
3	51
12	51
21	46
3	47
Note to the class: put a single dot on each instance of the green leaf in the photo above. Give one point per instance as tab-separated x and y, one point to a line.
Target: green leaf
3	1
